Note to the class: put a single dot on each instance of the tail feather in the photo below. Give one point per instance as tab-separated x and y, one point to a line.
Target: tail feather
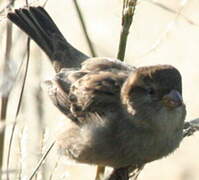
45	20
37	24
25	21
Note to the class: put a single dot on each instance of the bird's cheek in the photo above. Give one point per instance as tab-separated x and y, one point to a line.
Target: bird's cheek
129	108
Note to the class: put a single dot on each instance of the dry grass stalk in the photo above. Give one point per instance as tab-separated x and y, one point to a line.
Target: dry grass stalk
83	25
18	106
5	97
41	161
127	19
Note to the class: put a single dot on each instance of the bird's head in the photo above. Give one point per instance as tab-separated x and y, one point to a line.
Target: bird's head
153	92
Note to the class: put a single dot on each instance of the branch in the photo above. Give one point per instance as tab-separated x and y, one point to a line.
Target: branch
127	18
191	127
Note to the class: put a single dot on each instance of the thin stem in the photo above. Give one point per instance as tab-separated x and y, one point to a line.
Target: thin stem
100	172
41	161
127	18
191	127
4	98
18	106
91	48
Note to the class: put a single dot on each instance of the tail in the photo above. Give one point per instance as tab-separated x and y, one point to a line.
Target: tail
37	24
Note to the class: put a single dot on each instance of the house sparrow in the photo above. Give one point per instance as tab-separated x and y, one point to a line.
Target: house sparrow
121	116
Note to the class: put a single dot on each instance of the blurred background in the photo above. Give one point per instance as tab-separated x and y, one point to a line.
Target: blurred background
163	32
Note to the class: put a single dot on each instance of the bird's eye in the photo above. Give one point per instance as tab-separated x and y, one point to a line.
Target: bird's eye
150	91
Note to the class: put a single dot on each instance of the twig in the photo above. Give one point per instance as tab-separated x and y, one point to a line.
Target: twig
91	47
100	172
19	105
41	161
127	18
19	102
4	98
134	174
44	4
4	101
191	127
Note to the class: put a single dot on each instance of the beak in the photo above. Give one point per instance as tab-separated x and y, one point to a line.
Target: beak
173	99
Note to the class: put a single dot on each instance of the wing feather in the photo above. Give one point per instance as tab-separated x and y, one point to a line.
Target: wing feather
97	85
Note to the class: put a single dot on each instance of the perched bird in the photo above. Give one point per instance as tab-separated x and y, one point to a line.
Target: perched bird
121	116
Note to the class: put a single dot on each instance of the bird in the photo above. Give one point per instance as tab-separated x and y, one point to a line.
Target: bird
121	116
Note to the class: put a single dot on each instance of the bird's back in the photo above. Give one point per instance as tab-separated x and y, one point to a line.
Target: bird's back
93	88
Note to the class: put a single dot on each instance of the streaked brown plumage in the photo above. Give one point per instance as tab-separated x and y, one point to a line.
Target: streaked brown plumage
132	111
120	115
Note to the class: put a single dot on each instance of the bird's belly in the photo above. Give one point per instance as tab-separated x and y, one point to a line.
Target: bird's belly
118	154
120	150
145	150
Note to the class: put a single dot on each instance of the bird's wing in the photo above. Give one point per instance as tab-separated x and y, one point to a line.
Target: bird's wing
106	64
59	89
97	90
93	88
